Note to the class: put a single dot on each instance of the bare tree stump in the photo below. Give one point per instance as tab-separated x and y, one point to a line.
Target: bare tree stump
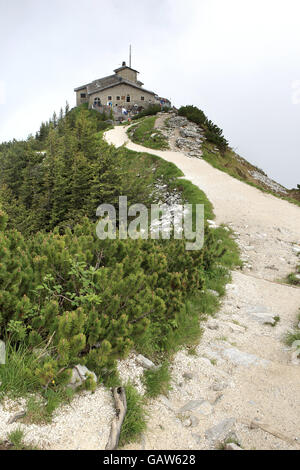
116	425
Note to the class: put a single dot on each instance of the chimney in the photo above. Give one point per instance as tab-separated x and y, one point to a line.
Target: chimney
124	64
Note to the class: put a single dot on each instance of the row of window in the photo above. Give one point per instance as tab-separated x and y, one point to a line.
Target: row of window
123	98
109	98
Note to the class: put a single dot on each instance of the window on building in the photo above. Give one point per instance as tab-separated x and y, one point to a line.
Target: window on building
109	98
82	95
123	98
142	98
118	98
128	98
97	101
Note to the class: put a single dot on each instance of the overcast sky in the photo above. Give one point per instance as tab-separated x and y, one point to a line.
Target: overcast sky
238	60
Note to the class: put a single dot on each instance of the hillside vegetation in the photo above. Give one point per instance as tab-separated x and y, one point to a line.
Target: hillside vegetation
68	298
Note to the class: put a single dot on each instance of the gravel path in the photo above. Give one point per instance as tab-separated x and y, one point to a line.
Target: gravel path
242	372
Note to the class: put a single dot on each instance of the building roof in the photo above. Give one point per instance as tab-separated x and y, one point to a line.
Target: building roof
125	67
109	82
126	82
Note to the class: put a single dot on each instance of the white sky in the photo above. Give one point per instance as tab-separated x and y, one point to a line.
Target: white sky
238	60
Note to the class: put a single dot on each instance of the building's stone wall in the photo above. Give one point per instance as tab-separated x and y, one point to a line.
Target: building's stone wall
122	91
80	100
128	74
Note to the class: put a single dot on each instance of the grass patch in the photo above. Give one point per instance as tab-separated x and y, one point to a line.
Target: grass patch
293	277
135	419
229	440
277	320
15	441
39	409
18	381
15	377
291	337
157	381
145	134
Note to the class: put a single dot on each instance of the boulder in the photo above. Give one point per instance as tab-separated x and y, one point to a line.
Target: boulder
264	318
145	363
202	406
213	292
241	358
213	325
187	375
178	121
219	386
221	430
194	421
79	375
261	314
187	132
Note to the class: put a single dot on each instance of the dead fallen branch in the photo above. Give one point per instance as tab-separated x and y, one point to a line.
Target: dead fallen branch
116	425
266	428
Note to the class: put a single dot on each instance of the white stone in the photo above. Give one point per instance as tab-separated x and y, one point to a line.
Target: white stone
236	328
232	446
221	430
264	318
2	352
219	386
205	408
79	374
242	358
213	292
191	405
212	325
146	363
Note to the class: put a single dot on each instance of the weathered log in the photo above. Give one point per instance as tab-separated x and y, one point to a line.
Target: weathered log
116	425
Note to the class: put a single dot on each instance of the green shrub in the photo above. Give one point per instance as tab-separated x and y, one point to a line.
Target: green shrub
149	111
212	132
94	312
193	113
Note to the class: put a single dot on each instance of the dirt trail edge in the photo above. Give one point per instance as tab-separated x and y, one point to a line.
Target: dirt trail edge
241	384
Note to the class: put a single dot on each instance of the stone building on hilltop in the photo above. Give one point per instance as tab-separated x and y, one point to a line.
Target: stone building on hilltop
121	90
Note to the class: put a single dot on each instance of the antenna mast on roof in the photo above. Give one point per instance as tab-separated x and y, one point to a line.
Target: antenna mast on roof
130	56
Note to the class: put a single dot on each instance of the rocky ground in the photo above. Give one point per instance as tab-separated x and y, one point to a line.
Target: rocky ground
241	384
